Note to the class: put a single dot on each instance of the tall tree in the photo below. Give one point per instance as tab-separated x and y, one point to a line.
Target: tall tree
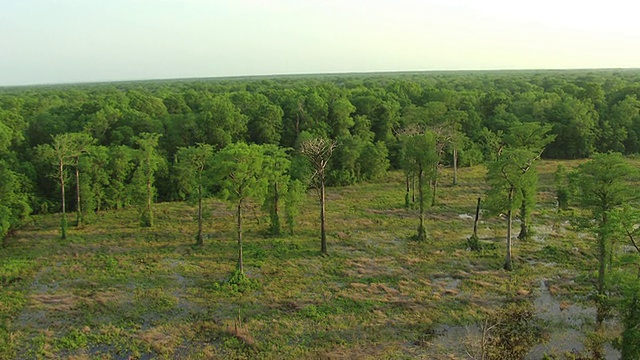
120	167
420	157
624	221
276	169
534	138
148	163
319	151
296	192
602	187
14	204
192	163
60	153
240	168
82	142
94	181
506	177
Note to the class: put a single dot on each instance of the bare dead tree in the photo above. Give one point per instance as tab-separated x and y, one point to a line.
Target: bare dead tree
319	151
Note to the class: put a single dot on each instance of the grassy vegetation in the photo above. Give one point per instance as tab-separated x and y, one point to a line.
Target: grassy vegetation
113	290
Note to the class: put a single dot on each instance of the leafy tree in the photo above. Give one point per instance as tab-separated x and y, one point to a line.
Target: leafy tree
373	161
446	128
192	163
315	111
602	187
319	151
454	120
264	118
419	157
60	154
143	179
221	122
14	205
339	116
121	166
296	193
491	143
624	122
624	222
532	137
81	143
94	181
345	165
574	124
240	168
100	123
276	168
507	176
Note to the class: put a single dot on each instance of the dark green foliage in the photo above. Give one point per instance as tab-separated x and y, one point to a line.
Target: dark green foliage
14	207
373	161
602	188
276	170
296	193
630	339
120	167
148	162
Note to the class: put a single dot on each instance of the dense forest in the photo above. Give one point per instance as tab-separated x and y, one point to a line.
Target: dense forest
94	129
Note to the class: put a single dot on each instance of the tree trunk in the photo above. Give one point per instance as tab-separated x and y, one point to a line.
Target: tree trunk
239	214
524	224
413	188
602	256
149	219
199	239
78	199
63	221
455	166
507	262
602	264
422	231
323	235
275	221
407	202
475	222
435	186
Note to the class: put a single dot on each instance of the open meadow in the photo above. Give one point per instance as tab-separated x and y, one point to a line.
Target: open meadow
113	290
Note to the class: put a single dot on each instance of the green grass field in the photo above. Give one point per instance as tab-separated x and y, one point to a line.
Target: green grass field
113	290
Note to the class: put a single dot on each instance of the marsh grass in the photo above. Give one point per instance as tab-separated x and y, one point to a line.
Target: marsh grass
114	290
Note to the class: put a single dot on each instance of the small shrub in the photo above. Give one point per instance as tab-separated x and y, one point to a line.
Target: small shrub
514	332
473	243
238	283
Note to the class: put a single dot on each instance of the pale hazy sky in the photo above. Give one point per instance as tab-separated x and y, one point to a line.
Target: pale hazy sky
54	41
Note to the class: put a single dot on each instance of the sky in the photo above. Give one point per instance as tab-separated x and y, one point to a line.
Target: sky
68	41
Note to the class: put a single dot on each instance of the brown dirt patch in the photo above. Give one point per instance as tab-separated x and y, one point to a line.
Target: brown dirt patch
55	302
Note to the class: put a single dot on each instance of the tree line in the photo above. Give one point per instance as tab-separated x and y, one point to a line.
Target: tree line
365	115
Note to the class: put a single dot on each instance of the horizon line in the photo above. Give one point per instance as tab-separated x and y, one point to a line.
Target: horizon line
309	74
